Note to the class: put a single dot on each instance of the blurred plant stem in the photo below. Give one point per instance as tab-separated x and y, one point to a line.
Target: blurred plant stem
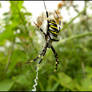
75	8
74	37
85	14
83	69
26	29
10	52
71	21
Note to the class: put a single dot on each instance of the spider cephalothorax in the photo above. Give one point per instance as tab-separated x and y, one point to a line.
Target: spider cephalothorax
53	28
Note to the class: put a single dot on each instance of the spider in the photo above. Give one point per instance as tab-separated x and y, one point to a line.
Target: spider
50	36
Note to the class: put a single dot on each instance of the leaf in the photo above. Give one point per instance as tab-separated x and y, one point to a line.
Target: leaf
55	86
21	79
2	43
87	82
67	82
6	13
5	85
7	34
0	5
20	57
28	13
16	3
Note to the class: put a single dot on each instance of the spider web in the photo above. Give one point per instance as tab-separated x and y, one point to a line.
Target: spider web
36	78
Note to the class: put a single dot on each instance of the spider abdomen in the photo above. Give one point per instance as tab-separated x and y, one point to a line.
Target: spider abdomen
53	28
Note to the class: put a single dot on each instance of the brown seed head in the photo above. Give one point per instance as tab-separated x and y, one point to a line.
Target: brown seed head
57	16
60	5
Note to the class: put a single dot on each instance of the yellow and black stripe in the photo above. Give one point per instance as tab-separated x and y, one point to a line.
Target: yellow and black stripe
52	28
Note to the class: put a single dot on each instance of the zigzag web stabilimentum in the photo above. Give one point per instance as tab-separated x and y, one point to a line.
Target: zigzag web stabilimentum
36	79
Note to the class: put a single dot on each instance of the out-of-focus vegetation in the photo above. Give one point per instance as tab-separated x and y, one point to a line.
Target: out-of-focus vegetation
19	41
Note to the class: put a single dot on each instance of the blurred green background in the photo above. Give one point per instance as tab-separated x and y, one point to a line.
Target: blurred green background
19	42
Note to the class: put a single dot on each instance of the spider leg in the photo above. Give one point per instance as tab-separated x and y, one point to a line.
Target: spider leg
56	56
40	29
42	32
36	58
54	40
42	54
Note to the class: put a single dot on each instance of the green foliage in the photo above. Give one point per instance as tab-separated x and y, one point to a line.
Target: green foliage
6	85
0	5
74	49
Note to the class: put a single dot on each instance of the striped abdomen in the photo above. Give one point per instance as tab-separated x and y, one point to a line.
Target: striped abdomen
52	28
